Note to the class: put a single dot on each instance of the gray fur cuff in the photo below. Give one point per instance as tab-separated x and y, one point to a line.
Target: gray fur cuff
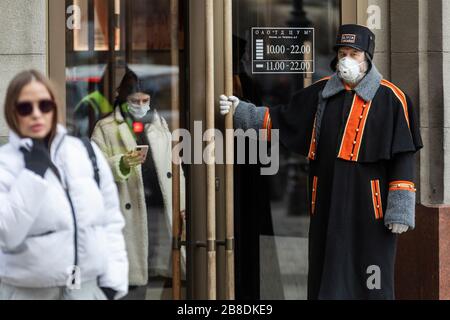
248	116
401	208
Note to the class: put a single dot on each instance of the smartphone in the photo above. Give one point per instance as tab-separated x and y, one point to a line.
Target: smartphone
142	150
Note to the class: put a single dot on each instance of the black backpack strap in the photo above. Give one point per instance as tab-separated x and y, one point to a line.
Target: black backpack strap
93	157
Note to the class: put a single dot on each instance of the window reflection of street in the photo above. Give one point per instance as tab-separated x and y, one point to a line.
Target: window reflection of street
112	38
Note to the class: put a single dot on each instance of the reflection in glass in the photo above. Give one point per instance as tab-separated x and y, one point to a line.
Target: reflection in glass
120	89
80	33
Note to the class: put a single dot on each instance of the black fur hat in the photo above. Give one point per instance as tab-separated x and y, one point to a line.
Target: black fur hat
355	36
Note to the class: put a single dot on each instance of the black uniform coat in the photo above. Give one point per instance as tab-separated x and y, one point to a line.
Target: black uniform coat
361	145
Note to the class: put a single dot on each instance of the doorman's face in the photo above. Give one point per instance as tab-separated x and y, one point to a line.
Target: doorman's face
358	55
37	125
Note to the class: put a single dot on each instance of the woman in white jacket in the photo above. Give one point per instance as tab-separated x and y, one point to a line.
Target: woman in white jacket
60	229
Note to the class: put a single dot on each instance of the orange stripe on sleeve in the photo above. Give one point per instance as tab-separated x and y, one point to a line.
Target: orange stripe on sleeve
402	185
267	125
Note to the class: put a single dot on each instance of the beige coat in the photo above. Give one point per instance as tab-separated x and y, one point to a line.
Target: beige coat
114	138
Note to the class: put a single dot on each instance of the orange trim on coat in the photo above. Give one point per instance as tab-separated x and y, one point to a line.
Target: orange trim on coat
402	185
314	195
376	199
347	87
380	212
323	79
266	119
313	145
354	129
400	95
267	125
269	130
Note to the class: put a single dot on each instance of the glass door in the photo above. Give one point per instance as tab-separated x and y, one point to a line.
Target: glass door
272	212
124	74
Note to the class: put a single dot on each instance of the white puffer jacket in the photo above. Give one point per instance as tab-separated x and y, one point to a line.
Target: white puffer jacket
45	230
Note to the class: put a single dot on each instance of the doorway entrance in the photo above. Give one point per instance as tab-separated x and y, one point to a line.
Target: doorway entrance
237	234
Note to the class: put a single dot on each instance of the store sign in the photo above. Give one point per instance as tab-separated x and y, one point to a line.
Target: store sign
282	50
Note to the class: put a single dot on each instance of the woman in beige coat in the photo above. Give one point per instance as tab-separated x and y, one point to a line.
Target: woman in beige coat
145	184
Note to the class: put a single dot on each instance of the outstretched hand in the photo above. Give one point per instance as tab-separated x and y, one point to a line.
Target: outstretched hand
398	228
227	104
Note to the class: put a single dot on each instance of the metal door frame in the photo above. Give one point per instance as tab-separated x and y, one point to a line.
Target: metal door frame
211	233
198	251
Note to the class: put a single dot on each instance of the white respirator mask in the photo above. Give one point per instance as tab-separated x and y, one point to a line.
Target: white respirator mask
350	70
138	111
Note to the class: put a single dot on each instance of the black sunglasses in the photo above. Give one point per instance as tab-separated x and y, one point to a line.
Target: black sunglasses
25	109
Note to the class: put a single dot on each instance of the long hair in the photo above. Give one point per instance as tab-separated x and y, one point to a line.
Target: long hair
12	96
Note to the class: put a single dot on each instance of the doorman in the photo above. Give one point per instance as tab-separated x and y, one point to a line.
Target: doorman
360	133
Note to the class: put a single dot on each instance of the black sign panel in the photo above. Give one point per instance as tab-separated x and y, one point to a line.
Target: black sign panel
282	50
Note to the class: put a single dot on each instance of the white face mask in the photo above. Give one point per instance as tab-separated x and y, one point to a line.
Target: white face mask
138	111
350	70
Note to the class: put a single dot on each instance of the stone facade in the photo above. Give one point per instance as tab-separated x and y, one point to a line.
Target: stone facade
413	52
22	43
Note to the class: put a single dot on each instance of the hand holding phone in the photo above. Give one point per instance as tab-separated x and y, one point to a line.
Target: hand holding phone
143	151
136	157
132	159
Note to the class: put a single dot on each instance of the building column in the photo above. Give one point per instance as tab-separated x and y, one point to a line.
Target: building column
418	64
23	40
413	45
375	15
